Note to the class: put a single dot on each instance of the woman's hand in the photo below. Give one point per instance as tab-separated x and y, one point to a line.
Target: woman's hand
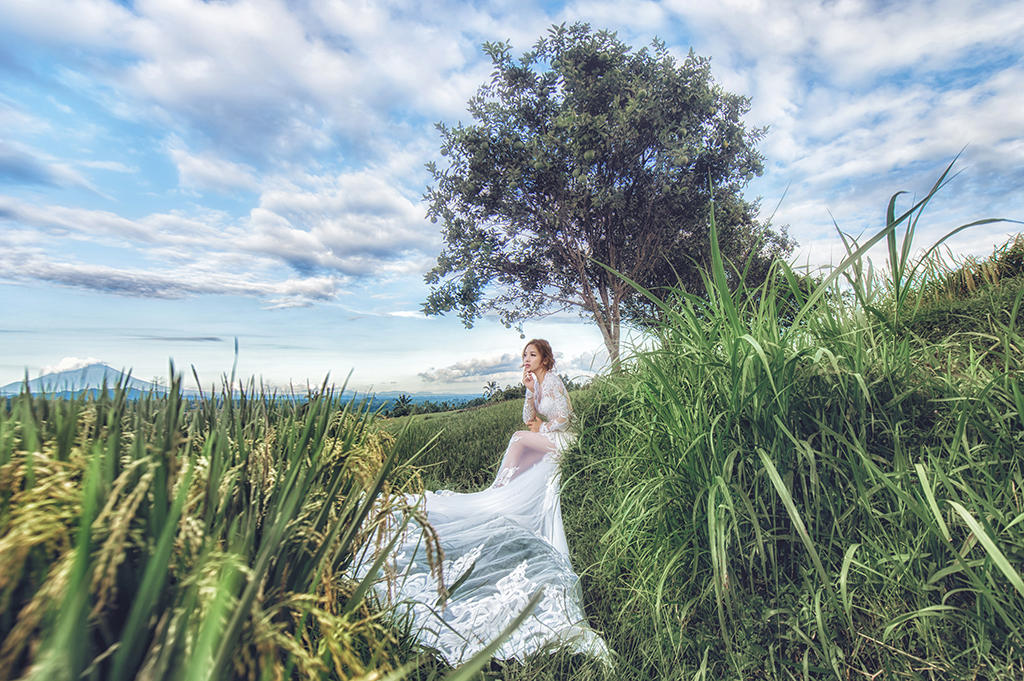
534	424
528	379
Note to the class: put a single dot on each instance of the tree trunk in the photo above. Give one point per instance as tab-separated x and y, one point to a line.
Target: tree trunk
609	326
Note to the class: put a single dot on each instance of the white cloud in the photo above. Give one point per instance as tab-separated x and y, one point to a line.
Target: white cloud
322	233
587	362
16	122
355	223
505	367
34	265
68	364
113	166
208	172
866	43
265	79
852	39
85	224
20	164
188	257
84	23
637	17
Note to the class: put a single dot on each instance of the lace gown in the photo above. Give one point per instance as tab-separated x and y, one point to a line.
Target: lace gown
504	543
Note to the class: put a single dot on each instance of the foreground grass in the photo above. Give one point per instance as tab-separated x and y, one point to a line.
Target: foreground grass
160	539
813	494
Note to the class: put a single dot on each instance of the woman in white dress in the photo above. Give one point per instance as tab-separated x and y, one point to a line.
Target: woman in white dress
501	545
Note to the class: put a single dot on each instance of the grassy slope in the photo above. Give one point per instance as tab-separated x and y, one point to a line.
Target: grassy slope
466	455
749	503
465	458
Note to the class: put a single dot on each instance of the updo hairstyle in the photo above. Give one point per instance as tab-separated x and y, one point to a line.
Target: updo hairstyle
547	357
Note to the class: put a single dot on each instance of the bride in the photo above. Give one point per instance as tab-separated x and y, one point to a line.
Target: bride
500	545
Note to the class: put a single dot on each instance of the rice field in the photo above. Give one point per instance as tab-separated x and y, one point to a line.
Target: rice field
166	539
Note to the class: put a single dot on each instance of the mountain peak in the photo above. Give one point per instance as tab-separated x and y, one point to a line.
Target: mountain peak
88	377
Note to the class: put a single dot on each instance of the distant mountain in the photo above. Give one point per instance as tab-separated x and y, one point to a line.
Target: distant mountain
74	381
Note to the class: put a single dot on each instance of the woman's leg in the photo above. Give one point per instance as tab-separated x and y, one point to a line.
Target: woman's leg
524	451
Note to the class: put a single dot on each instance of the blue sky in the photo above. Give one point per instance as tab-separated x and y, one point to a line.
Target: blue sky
175	174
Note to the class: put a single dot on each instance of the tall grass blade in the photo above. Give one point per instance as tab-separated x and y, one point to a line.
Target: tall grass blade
844	584
932	504
997	556
154	578
798	523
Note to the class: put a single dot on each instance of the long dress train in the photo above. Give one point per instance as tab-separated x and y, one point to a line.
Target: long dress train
500	545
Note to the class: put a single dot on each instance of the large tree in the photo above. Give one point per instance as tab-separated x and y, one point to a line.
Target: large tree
585	151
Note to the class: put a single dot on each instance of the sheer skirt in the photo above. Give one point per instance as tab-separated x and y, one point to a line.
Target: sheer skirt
502	544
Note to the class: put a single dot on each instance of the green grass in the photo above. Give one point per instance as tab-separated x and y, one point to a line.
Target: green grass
827	491
834	498
465	446
468	447
972	318
165	539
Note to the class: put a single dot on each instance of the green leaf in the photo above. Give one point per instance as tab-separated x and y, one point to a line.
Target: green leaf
996	555
794	515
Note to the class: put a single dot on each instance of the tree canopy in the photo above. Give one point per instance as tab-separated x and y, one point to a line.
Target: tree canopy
585	151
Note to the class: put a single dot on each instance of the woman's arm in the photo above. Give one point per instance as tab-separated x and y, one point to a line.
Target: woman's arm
556	401
529	410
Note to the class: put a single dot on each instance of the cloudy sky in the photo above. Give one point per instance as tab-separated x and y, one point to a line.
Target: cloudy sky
175	174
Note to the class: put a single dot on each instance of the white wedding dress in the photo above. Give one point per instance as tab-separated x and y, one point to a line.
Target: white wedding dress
509	539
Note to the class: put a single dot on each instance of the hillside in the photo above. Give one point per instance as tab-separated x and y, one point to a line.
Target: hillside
751	502
469	443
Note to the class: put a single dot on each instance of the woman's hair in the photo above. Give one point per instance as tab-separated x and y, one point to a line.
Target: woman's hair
547	357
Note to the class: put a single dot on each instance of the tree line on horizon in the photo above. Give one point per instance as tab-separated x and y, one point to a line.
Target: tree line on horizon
403	405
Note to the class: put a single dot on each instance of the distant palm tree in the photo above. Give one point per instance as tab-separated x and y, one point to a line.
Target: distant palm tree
491	390
402	406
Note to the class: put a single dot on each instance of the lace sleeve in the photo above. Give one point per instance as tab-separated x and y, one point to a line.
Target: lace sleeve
556	404
529	411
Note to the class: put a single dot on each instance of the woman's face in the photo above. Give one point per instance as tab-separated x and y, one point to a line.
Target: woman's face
531	358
